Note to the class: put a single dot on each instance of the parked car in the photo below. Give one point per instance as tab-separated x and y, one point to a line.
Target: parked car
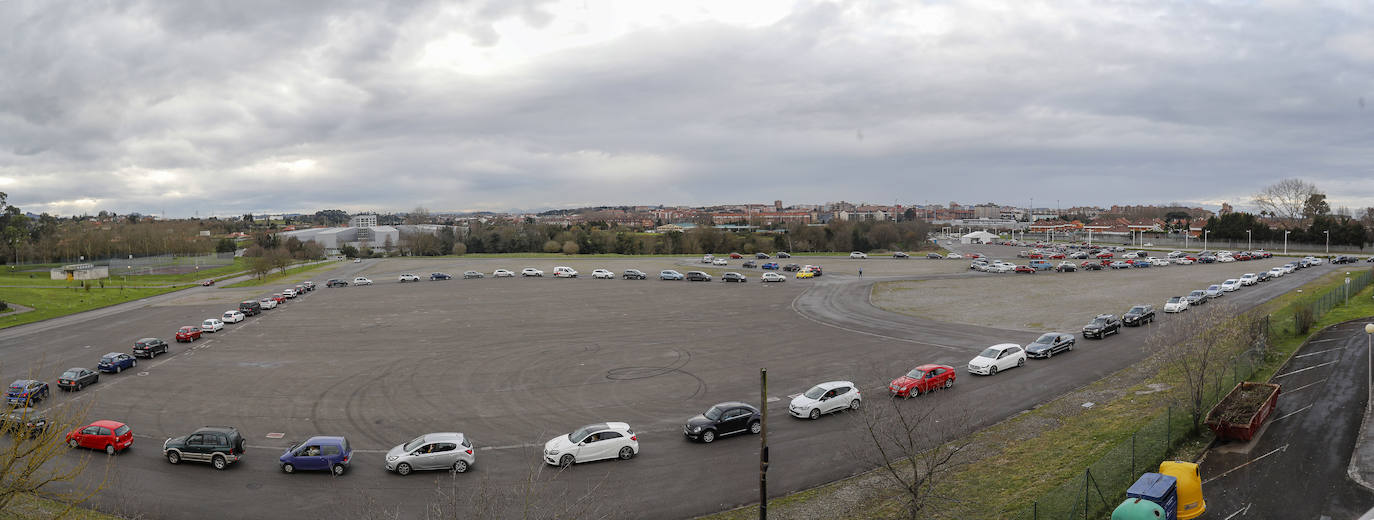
446	276
530	271
335	282
1101	326
706	259
116	362
362	280
634	274
188	334
318	453
774	277
791	267
447	451
1312	260
723	419
592	442
900	254
76	378
1091	266
309	285
1264	276
110	436
1066	267
1138	315
26	392
218	445
669	274
232	317
602	273
762	256
289	293
250	308
720	261
407	277
1196	298
503	273
211	325
922	379
783	254
1183	260
1176	304
1040	265
805	274
750	264
733	277
279	297
772	266
1049	344
564	271
1120	264
825	398
736	256
1249	279
1024	269
955	256
698	276
468	275
149	347
208	283
858	255
1230	285
1277	272
268	303
1214	291
935	256
30	422
1003	356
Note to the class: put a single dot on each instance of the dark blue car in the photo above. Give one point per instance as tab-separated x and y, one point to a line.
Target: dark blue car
26	392
316	454
771	265
116	362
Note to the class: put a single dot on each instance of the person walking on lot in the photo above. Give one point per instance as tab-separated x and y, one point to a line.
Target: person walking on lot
861	272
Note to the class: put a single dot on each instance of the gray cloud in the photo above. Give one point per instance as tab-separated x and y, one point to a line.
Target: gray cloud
299	106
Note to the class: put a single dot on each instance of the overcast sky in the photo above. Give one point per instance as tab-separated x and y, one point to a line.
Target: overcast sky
189	107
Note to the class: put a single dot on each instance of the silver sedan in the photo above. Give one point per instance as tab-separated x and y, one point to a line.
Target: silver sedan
450	451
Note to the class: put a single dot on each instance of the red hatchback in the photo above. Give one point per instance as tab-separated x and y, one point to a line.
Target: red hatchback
188	333
922	379
280	298
111	436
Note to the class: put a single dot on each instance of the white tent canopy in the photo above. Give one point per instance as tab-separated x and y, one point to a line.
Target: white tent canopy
978	237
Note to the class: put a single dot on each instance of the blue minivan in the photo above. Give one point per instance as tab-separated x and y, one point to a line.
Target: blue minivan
316	454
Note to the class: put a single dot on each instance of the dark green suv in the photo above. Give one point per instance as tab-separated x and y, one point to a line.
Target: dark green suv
218	445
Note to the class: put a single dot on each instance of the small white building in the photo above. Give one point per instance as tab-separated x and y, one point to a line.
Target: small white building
978	237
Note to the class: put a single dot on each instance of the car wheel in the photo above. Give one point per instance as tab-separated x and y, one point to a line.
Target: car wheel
566	461
219	463
71	442
288	468
109	449
755	427
119	369
1049	353
992	371
339	469
949	383
79	386
1021	362
915	391
403	469
815	414
708	436
626	453
460	466
854	405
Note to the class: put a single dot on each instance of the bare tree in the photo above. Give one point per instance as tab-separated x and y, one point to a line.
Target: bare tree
34	459
914	445
419	215
1286	198
1200	347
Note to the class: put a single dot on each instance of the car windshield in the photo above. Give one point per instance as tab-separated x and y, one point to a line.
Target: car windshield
1213	287
714	413
916	373
990	352
1047	338
1174	299
1197	293
412	445
584	431
1099	321
815	392
1138	310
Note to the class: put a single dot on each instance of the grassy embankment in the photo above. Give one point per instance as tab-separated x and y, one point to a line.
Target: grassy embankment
293	273
1030	453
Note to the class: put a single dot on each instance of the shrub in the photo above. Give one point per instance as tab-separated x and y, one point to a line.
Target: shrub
1303	318
570	248
552	246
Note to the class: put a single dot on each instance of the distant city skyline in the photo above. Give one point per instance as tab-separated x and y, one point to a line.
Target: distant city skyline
183	108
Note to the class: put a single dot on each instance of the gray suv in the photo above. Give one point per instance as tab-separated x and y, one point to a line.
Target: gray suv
450	451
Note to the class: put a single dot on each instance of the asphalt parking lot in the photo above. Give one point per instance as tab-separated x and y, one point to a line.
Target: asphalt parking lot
513	362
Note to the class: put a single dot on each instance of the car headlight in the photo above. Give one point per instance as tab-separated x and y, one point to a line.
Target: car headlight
392	458
553	452
696	428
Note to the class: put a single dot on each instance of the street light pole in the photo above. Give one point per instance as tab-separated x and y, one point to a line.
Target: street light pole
763	444
1328	241
1249	244
1285	241
1204	238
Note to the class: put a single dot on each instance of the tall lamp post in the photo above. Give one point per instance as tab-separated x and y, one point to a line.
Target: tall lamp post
1368	347
1249	244
1285	241
1328	241
1204	238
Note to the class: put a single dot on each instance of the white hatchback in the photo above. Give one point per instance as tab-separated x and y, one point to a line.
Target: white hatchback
503	273
1230	285
289	293
720	261
858	255
211	325
602	273
408	277
1176	304
1003	356
530	271
825	398
592	442
267	303
361	281
774	277
232	316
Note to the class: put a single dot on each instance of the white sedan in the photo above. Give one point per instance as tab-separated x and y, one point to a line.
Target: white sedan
1159	262
1183	260
267	303
954	256
1225	259
361	281
773	277
602	273
530	271
592	442
502	273
1002	356
232	317
825	398
211	325
1176	304
859	255
719	261
1230	285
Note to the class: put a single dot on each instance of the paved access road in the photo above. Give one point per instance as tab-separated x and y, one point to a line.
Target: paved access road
511	363
1298	465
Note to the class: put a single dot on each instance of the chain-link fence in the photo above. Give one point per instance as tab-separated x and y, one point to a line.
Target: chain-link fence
1102	485
167	264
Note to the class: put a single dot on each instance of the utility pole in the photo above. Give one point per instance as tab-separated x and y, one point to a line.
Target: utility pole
763	444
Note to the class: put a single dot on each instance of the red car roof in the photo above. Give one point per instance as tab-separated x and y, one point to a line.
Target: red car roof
928	367
104	423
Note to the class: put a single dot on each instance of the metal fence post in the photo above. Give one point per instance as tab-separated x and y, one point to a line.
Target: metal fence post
1168	425
1132	454
1086	473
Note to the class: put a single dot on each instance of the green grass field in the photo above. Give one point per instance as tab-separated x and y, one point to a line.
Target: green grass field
43	279
292	272
52	303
